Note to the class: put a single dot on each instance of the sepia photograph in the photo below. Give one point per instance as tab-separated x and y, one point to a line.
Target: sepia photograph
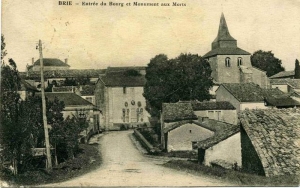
159	93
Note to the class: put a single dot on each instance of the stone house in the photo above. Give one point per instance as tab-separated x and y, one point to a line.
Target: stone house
78	107
287	85
270	141
247	95
178	130
223	148
219	110
26	89
231	64
119	95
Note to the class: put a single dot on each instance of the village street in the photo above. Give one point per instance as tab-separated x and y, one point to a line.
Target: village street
124	165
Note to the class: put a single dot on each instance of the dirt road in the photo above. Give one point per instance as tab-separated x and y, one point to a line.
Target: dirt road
125	165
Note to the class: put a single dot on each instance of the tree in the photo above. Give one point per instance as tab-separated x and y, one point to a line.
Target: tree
297	69
187	77
265	60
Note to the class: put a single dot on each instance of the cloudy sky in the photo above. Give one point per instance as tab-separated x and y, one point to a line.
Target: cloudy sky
101	36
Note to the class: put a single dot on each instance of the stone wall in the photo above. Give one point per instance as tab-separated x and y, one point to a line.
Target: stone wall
228	150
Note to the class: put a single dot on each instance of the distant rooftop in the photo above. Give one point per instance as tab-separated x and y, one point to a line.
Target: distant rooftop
178	111
284	74
218	105
51	62
70	99
122	79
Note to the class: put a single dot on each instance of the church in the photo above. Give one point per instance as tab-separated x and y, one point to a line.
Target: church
231	64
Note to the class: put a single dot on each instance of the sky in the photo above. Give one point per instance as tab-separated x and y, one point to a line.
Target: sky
100	36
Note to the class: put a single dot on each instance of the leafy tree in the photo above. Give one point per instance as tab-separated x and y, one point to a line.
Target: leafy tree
297	69
187	77
3	51
265	60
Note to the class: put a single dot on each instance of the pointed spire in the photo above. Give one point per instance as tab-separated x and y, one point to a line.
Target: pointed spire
223	34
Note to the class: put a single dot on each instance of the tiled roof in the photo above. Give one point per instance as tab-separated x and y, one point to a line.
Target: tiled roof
283	74
295	83
121	69
121	79
178	111
70	73
63	89
87	90
226	51
70	99
222	132
250	92
51	62
176	125
275	135
27	86
218	105
284	101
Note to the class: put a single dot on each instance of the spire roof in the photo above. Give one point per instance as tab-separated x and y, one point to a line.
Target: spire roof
223	33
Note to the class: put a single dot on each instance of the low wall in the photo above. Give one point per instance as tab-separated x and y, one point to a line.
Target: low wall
149	147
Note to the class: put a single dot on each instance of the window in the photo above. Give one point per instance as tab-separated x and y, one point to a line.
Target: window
123	114
239	61
190	131
124	90
227	62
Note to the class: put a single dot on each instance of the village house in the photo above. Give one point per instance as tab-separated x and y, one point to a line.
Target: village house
288	74
251	96
231	64
223	148
178	130
75	106
119	95
287	85
49	64
270	141
219	110
26	89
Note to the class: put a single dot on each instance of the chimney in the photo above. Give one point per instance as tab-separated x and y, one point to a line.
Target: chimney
32	60
66	60
297	70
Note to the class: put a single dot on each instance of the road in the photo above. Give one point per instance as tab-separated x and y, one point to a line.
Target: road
124	165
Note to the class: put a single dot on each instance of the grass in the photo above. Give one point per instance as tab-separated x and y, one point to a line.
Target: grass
235	177
87	160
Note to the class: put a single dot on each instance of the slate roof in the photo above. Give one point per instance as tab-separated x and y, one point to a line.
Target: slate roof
178	111
222	132
223	32
70	73
250	92
226	51
284	74
70	99
218	105
294	83
275	135
51	62
121	79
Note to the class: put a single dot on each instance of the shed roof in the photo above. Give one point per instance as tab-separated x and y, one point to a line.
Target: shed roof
70	99
250	92
294	83
275	134
222	132
178	111
218	105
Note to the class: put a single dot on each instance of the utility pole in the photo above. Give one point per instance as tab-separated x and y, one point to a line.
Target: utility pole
49	163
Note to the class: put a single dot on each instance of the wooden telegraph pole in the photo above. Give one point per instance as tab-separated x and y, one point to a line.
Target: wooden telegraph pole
49	163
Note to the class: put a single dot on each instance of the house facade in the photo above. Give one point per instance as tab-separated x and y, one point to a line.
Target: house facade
231	64
219	110
119	95
178	130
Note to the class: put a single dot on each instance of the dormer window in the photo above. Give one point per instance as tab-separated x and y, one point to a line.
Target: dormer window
239	61
227	62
